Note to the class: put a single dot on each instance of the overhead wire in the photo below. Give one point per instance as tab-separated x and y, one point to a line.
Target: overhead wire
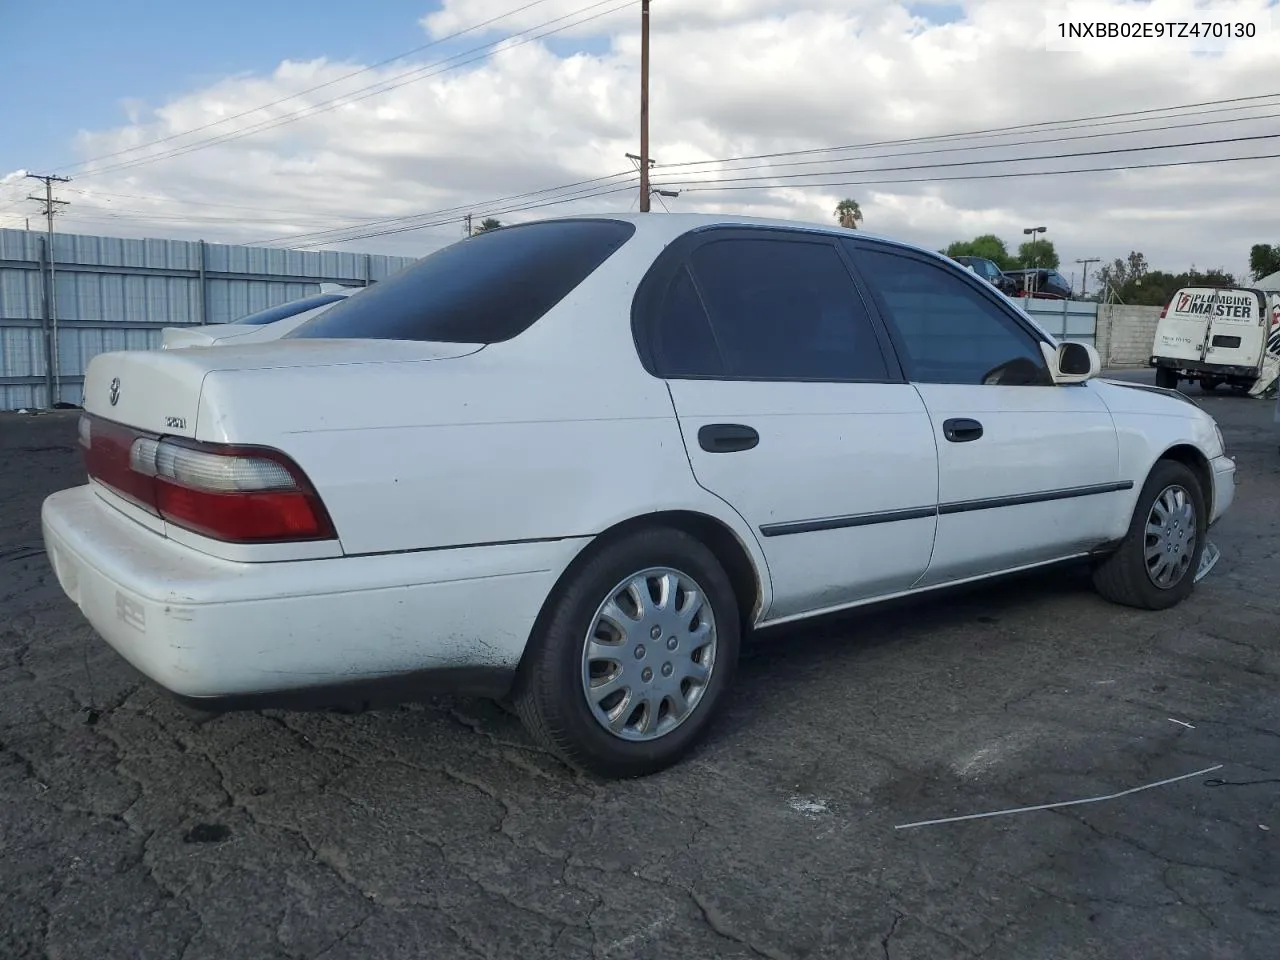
420	73
988	176
301	93
1106	119
998	146
460	209
971	163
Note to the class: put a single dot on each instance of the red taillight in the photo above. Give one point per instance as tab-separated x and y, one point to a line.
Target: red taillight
1163	311
234	494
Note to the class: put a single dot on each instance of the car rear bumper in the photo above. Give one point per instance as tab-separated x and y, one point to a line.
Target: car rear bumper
224	635
1224	486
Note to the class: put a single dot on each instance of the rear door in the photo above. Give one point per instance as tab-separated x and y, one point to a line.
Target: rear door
1238	328
1183	329
794	411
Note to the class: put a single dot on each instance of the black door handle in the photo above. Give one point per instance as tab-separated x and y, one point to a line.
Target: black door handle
727	437
961	429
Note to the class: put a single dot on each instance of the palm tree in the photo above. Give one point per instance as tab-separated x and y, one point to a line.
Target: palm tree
848	213
487	224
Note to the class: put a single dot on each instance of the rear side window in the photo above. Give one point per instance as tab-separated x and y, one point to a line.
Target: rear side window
682	337
290	309
786	309
484	289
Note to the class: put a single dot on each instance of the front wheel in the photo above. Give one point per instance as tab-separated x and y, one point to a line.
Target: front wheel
633	656
1156	563
1167	378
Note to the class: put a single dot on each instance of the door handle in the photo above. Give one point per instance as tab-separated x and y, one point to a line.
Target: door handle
961	429
727	437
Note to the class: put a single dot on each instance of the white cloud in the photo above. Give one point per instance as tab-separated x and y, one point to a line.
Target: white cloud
730	78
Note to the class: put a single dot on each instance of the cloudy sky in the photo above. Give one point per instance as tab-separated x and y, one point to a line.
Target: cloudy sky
331	124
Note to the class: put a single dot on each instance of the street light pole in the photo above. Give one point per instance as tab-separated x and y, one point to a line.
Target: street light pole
1033	231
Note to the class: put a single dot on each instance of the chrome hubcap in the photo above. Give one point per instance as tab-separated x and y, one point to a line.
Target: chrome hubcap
1171	537
649	654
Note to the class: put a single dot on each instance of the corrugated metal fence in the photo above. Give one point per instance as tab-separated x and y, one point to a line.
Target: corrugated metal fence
109	293
1065	319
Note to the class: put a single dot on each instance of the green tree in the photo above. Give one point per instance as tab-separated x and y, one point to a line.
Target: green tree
988	246
487	224
1041	255
1120	273
1155	288
848	213
1264	259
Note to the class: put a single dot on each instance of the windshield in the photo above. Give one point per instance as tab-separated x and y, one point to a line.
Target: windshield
292	308
485	289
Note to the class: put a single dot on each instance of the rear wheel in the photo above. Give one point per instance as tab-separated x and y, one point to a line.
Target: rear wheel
633	657
1155	565
1209	384
1167	378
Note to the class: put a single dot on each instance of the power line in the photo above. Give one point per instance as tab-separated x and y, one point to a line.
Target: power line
461	208
94	194
988	176
519	208
991	131
974	163
997	146
412	76
301	93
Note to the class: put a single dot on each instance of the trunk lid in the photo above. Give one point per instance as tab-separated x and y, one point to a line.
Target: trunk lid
159	390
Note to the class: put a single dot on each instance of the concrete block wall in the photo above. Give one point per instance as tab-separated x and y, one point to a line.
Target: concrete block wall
1125	334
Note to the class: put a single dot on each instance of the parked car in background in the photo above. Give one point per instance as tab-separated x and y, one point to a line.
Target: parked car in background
1042	284
990	272
268	324
570	463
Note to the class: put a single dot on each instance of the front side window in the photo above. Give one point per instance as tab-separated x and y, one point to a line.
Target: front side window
950	332
484	289
785	309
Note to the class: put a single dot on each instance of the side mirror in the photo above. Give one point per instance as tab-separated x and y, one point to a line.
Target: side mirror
1072	362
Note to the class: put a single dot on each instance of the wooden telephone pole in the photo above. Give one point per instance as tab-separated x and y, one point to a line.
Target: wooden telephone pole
644	106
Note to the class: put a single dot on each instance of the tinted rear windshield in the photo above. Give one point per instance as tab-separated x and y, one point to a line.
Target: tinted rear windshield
292	308
485	289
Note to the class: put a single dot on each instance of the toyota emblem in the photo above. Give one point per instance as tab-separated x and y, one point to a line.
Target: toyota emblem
114	393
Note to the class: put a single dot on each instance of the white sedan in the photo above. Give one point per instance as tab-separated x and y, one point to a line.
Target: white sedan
573	462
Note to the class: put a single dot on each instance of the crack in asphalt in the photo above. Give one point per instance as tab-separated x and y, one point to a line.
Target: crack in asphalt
721	926
888	937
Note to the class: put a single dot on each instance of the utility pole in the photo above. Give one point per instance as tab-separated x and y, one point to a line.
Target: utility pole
50	206
1084	280
48	201
644	106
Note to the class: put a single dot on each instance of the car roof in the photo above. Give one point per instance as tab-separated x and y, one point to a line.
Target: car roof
670	226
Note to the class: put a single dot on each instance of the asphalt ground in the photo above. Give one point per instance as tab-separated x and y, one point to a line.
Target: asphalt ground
129	830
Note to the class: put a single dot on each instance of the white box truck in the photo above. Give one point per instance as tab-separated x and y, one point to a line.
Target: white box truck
1217	335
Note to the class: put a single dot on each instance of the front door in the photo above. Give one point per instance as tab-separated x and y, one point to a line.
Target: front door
794	412
1028	471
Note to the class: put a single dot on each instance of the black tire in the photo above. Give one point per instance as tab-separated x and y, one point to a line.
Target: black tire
1123	577
1166	378
549	696
1209	384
